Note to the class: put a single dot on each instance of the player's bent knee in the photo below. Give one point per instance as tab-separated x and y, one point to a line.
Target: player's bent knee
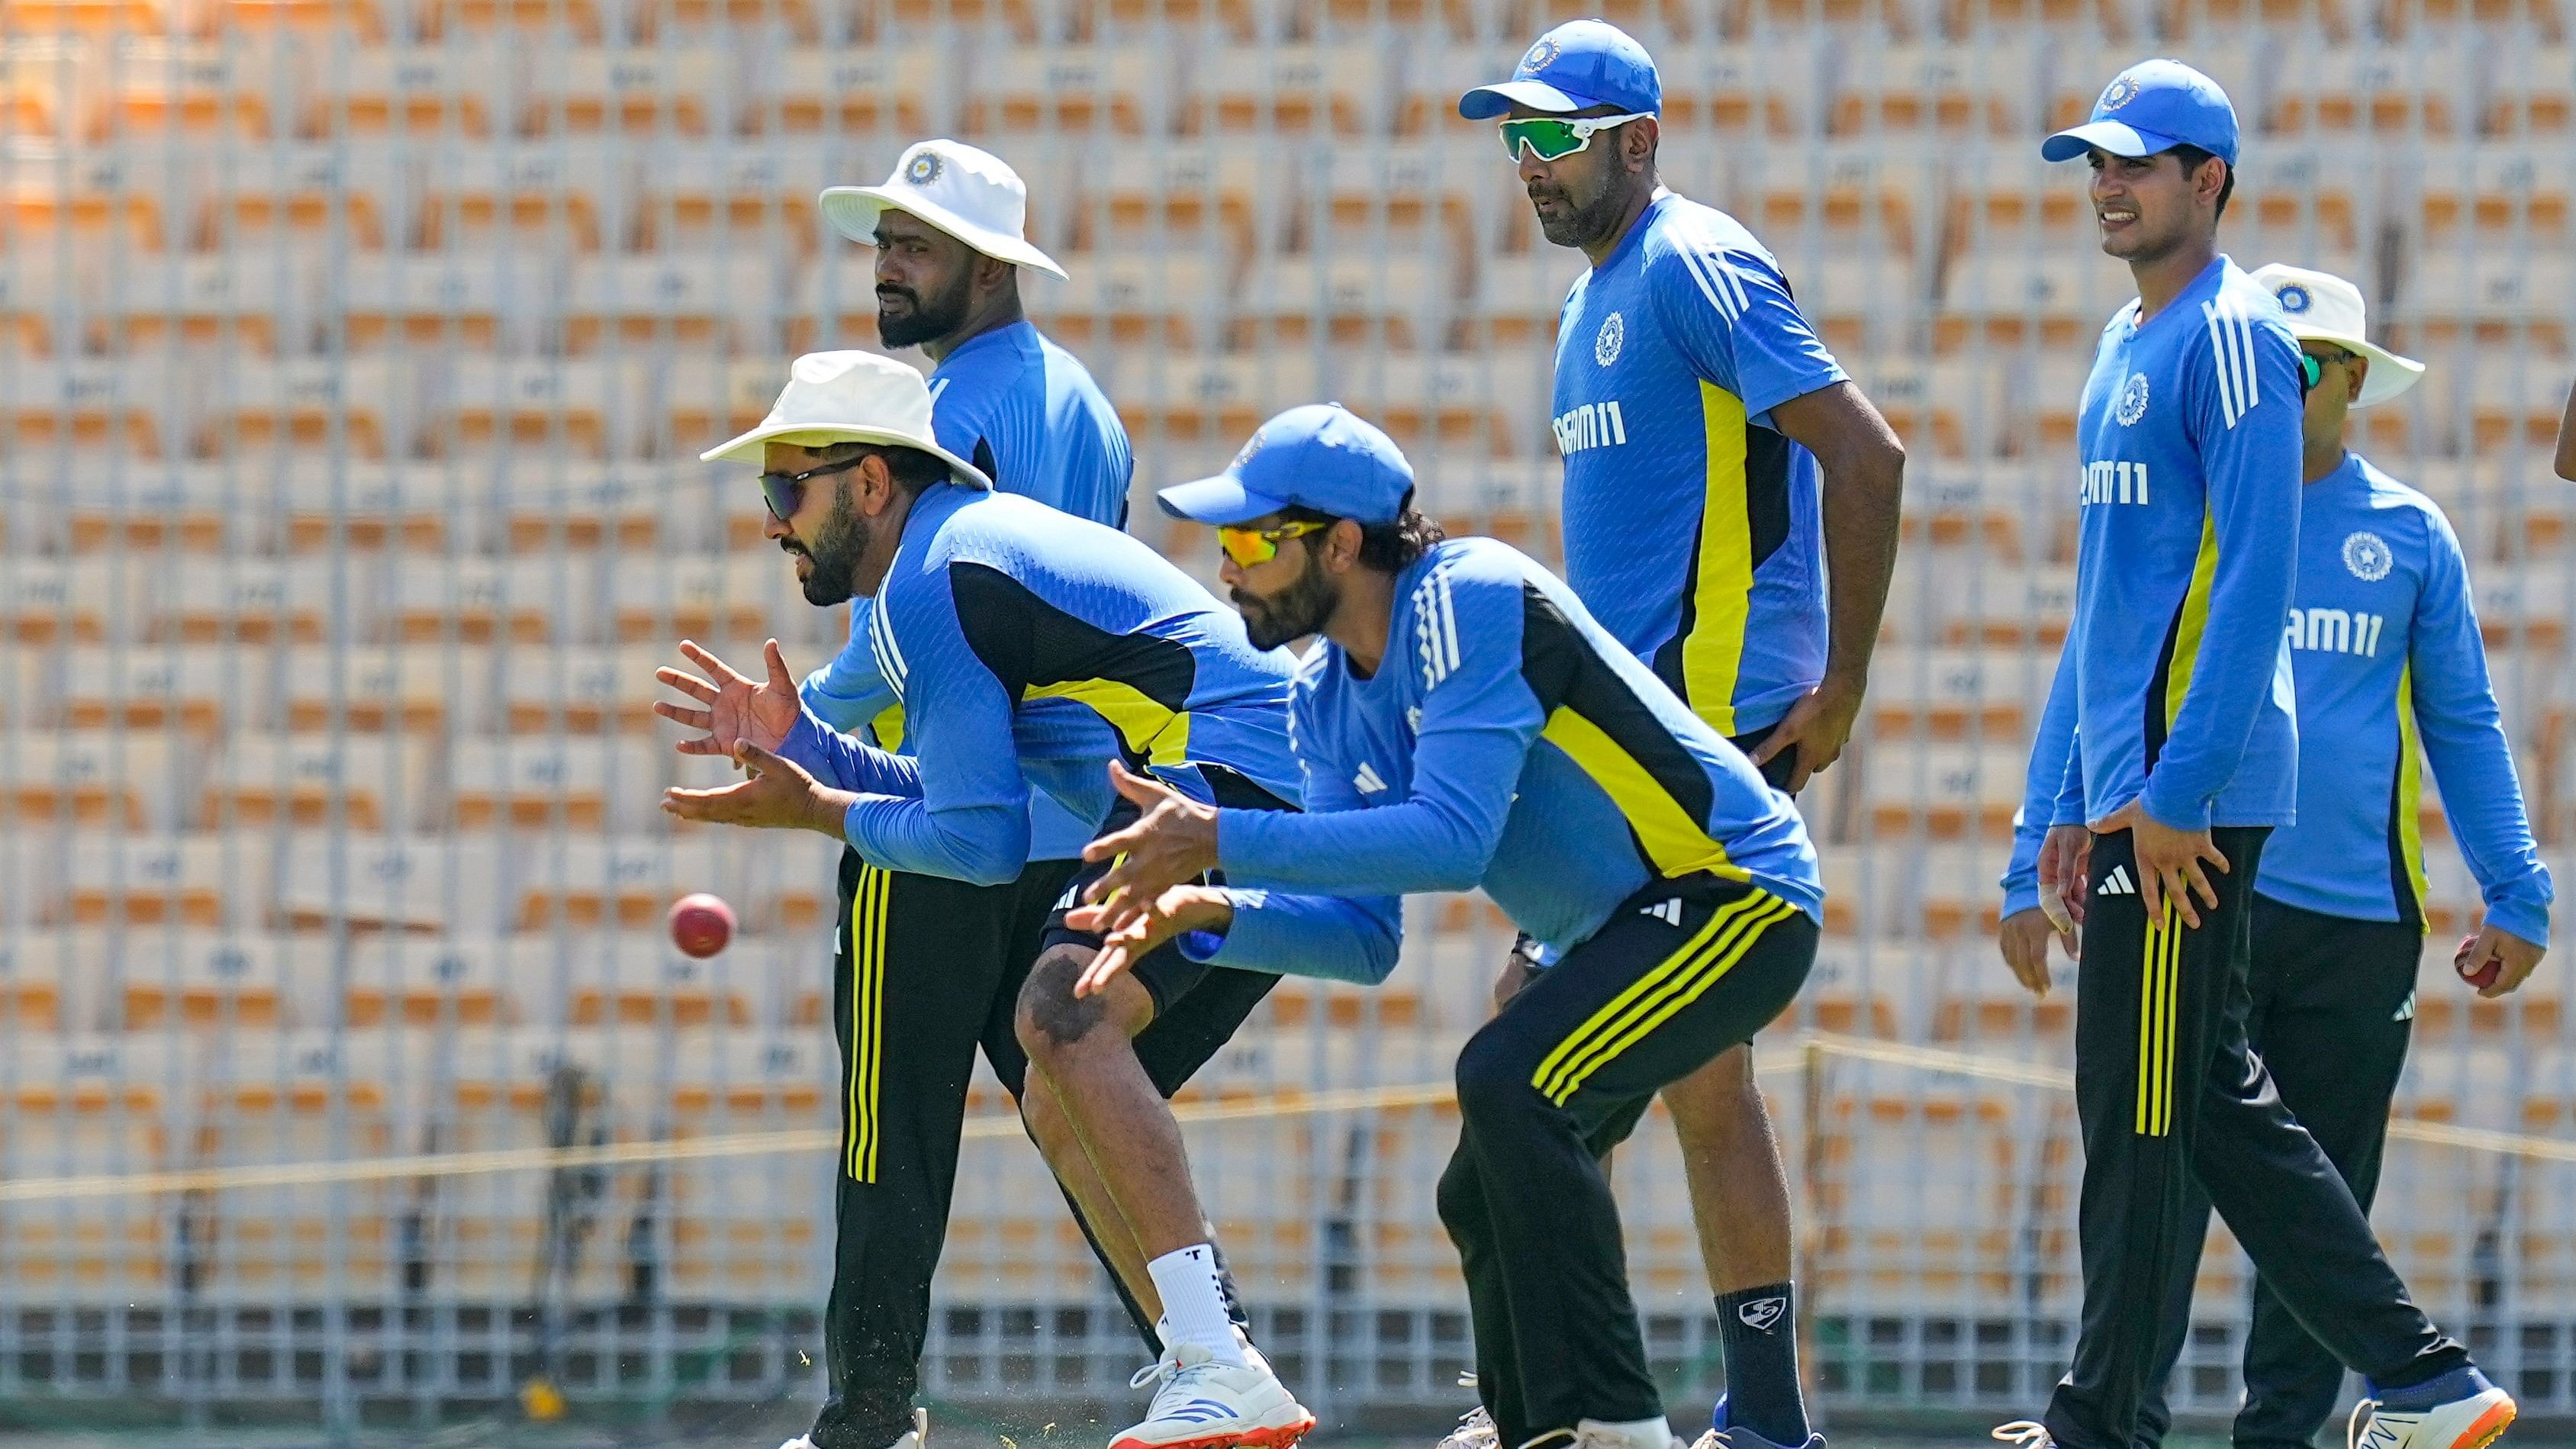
1051	1018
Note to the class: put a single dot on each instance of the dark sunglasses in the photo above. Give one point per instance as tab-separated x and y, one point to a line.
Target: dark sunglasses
785	492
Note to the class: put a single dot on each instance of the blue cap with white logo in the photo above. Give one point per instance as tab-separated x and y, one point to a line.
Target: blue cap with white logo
1576	66
1320	456
2153	106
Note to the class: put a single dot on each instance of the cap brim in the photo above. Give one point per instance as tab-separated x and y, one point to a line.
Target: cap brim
1221	500
2390	374
2116	137
1486	102
747	448
853	212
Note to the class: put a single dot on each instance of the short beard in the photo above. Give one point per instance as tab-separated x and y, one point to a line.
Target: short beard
931	318
1297	611
836	549
1590	222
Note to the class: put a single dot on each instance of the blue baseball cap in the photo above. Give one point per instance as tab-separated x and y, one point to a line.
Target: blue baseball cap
1320	456
2153	106
1576	66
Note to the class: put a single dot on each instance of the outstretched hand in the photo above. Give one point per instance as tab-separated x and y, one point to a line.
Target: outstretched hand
1173	841
739	709
777	794
1132	927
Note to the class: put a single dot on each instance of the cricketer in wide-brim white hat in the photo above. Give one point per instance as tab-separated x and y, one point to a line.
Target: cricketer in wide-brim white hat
969	193
2322	307
849	397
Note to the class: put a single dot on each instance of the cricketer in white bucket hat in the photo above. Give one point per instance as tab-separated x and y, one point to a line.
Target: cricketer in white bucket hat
2322	307
849	397
971	194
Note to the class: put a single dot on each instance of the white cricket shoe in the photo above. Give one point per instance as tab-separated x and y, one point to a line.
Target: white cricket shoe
913	1438
2030	1434
1475	1431
2473	1422
1643	1434
1204	1404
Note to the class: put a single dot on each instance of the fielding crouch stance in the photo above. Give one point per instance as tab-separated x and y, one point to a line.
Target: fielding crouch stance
2182	758
1466	724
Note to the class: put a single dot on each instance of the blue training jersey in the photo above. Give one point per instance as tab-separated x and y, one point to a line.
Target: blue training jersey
2391	675
1030	648
2189	439
1691	526
1505	741
1026	411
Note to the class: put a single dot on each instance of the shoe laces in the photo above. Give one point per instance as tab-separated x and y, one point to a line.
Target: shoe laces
1161	1371
2361	1427
2032	1434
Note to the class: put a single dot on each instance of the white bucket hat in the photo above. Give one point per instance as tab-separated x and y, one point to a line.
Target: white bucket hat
849	397
973	195
2322	307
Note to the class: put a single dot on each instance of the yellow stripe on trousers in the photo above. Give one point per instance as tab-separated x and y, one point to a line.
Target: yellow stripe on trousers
1660	994
2159	1006
867	1016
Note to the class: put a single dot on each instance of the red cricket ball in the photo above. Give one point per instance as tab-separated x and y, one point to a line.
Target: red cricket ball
2484	973
701	924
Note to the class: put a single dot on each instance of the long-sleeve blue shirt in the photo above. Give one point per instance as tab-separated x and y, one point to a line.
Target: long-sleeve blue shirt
2391	675
1505	741
2189	437
1028	413
1028	647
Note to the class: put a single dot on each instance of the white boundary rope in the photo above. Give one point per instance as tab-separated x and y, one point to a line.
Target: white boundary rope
1284	1104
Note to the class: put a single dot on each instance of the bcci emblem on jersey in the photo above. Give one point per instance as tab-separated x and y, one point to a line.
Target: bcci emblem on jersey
2368	557
1605	343
2132	403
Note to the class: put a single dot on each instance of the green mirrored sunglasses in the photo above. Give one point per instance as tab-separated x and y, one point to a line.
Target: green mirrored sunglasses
1551	138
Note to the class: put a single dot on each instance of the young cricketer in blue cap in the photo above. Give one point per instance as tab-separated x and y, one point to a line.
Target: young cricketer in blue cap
1465	724
2181	759
1717	460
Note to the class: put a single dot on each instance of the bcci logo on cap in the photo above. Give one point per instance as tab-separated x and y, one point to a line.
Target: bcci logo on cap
1540	55
2294	299
2118	93
1251	446
1605	343
923	169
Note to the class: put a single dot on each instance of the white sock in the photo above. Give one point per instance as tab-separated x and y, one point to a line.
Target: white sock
1194	1302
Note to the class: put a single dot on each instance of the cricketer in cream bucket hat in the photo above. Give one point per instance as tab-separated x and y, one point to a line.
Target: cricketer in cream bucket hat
965	191
2322	307
849	397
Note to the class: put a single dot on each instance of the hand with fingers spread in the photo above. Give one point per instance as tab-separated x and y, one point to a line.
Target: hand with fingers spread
1135	926
2169	862
1172	842
739	709
778	795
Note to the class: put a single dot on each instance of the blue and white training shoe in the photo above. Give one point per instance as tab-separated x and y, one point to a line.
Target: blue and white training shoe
1722	1435
2459	1410
1204	1404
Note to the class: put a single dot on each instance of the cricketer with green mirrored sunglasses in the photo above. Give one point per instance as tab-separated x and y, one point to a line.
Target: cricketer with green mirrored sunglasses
1553	138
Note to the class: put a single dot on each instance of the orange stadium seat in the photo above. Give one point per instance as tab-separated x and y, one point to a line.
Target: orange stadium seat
1399	301
2499	297
730	196
533	782
889	90
643	90
226	301
308	196
206	881
365	405
2478	195
645	303
2011	296
745	1224
535	20
108	202
1952	1227
1994	514
594	406
1943	790
119	17
2421	86
1058	89
453	86
448	882
615	505
270	1241
1414	196
1908	89
737	596
557	195
643	982
587	884
362	20
1734	90
236	88
1851	197
135	505
584	691
1139	194
48	87
1518	297
369	507
2308	192
2532	92
38	301
96	777
479	601
1169	298
201	980
1491	403
431	981
149	689
1346	89
81	401
370	690
1950	693
372	781
88	601
482	300
78	1115
257	601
